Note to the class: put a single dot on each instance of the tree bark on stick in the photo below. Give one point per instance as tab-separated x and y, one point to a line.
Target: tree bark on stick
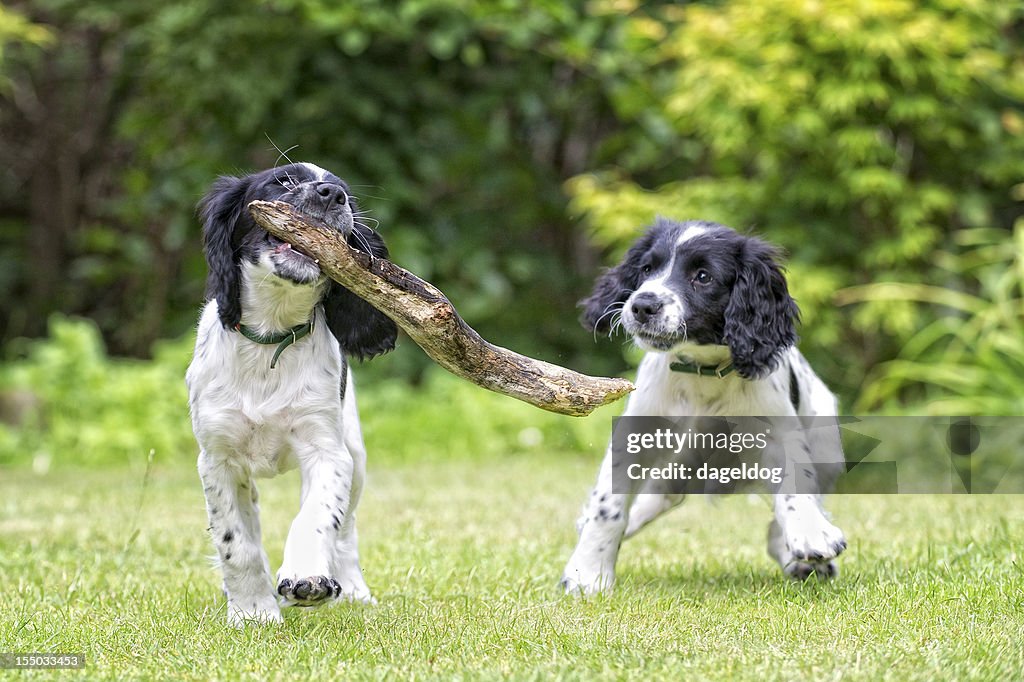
430	320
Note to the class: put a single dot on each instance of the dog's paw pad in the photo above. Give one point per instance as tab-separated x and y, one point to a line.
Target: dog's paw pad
311	591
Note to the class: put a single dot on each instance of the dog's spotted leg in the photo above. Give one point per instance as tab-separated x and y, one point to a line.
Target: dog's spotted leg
306	577
346	568
801	538
235	530
602	525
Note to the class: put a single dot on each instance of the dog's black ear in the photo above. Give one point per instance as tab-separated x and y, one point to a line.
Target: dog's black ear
221	212
614	286
761	317
362	330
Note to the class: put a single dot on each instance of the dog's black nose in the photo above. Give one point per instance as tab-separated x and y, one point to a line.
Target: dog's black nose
645	306
331	194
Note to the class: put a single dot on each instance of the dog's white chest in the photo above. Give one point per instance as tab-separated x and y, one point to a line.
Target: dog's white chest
265	420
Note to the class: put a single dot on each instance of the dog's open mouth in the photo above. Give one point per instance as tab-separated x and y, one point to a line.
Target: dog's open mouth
292	264
287	251
657	341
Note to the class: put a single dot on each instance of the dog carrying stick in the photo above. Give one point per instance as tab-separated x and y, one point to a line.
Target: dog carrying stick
429	318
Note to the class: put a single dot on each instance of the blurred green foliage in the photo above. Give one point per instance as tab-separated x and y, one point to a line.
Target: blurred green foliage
970	359
87	409
860	135
15	29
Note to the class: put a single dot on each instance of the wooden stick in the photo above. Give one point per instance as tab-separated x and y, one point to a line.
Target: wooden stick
429	318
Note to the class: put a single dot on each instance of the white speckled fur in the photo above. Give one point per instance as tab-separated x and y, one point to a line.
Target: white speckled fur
255	422
252	421
680	287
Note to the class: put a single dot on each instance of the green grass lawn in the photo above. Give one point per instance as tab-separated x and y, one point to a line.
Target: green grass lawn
464	557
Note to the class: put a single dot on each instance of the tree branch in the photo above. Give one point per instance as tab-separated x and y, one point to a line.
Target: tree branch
431	321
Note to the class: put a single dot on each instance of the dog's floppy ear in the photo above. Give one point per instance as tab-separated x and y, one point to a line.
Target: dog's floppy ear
614	286
220	211
362	330
761	317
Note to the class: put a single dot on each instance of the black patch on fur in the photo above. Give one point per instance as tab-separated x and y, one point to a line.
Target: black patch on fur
224	225
615	285
760	320
794	390
343	381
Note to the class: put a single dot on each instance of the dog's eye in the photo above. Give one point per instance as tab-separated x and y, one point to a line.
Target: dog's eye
702	277
646	269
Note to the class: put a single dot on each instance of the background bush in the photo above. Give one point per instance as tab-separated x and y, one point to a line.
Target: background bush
90	409
863	136
970	358
456	124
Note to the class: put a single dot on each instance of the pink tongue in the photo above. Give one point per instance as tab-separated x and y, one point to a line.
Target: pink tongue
283	247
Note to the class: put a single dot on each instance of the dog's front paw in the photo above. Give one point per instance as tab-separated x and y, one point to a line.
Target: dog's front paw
258	611
815	543
312	591
586	581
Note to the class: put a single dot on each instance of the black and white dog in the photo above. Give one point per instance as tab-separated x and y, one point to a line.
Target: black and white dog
270	390
712	309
